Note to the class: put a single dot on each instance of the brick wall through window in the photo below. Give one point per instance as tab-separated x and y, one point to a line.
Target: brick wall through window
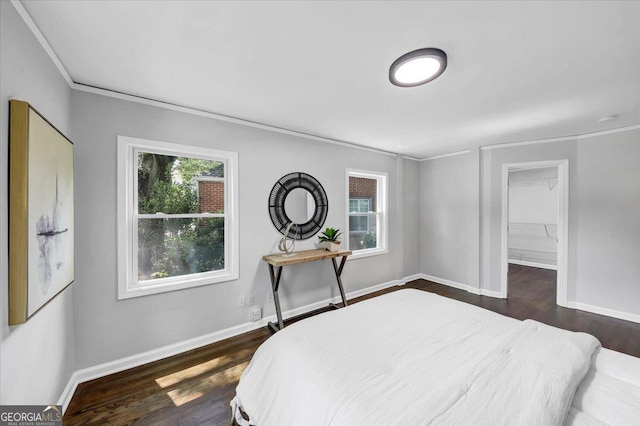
211	196
363	188
366	188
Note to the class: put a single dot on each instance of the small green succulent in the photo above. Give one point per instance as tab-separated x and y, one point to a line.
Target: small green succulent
330	235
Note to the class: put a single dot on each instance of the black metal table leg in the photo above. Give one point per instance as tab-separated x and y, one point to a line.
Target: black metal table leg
338	271
275	273
275	283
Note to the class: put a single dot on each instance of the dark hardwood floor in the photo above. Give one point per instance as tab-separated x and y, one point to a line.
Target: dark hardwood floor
195	388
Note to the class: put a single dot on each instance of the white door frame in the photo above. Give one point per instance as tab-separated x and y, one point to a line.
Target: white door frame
563	224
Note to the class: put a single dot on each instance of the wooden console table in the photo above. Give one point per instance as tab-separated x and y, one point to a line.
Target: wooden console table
278	261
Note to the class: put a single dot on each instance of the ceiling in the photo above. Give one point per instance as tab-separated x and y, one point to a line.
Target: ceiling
517	70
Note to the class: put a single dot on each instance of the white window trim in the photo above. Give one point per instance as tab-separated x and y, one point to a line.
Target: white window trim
128	285
382	215
208	178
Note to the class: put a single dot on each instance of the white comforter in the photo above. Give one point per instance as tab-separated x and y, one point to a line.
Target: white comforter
414	358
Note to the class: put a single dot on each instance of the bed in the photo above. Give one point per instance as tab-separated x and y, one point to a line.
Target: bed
413	357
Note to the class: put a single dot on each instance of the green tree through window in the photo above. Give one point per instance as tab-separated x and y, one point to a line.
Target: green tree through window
181	241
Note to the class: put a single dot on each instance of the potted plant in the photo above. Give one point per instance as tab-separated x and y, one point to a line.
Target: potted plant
329	239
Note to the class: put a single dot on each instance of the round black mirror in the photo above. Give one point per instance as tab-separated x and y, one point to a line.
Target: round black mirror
298	198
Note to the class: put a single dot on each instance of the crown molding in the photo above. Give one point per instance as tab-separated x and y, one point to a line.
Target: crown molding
562	138
175	107
452	154
229	119
577	137
408	157
220	117
43	41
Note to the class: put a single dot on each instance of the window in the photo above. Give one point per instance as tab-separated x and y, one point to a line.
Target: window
177	217
359	223
366	215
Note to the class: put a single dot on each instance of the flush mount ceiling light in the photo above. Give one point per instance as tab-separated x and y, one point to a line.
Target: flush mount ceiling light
418	67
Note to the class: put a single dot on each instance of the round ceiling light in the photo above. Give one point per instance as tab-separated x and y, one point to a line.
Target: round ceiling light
418	67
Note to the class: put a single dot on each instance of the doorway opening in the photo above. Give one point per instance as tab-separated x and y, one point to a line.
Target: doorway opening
535	220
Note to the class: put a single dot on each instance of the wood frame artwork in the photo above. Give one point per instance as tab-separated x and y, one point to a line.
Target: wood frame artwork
41	232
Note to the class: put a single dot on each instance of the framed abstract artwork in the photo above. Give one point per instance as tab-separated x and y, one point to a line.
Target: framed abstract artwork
41	263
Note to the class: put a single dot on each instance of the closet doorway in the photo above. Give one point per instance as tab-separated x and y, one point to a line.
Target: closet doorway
535	220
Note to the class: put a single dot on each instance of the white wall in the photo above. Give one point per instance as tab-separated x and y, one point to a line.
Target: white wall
449	224
108	329
532	198
533	204
36	358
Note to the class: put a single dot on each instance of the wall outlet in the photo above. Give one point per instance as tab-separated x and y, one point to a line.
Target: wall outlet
242	302
251	299
256	314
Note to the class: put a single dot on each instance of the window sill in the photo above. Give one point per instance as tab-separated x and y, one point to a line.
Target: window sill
360	254
146	290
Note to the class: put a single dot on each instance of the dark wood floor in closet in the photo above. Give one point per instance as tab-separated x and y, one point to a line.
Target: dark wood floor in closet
195	388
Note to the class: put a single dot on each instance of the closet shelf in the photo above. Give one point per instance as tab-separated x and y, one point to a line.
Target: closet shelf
550	182
548	229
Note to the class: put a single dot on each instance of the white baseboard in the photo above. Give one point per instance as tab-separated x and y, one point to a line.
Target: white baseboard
122	364
447	282
604	311
410	278
101	370
533	264
132	361
492	293
461	286
574	305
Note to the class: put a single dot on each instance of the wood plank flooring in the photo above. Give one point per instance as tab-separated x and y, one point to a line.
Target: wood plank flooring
195	388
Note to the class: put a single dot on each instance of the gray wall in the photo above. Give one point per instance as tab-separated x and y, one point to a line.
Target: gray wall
449	224
36	358
608	221
411	218
604	207
444	218
108	329
491	203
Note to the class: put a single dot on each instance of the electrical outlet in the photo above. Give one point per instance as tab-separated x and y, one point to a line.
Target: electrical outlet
251	299
256	314
242	302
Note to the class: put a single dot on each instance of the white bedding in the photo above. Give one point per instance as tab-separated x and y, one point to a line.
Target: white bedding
412	357
610	392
